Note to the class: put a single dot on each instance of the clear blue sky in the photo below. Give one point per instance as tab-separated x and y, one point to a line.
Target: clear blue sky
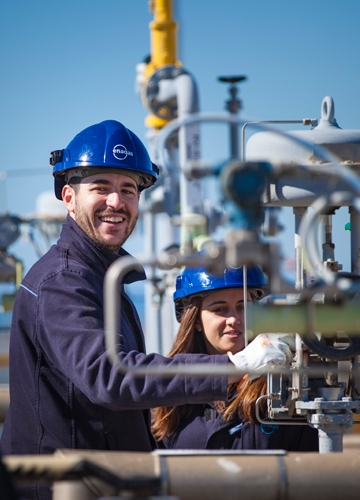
68	64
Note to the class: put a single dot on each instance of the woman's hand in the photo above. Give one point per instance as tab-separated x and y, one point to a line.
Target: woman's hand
265	351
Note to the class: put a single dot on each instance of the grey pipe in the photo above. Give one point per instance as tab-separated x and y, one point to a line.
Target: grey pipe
210	475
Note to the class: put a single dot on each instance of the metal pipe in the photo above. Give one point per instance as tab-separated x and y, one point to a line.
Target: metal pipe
210	474
271	422
331	438
245	304
309	227
327	318
323	154
189	150
328	245
305	121
300	275
355	240
112	300
163	31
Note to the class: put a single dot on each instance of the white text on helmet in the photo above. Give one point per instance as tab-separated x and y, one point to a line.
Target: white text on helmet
120	152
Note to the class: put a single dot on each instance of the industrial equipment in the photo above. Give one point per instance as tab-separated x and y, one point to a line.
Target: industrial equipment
315	169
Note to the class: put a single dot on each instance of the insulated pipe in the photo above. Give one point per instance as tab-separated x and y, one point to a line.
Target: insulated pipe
198	475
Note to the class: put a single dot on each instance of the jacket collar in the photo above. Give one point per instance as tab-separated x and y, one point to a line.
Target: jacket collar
74	238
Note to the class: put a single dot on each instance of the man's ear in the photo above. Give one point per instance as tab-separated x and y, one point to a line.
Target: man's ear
68	196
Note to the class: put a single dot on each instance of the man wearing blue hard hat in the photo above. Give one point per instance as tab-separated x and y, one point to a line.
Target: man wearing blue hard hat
64	392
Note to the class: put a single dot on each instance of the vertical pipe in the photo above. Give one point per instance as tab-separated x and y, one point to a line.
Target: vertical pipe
355	240
233	107
300	276
331	438
245	305
234	140
328	246
152	328
189	150
163	32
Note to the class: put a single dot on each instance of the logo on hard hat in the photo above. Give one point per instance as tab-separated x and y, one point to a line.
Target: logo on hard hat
120	152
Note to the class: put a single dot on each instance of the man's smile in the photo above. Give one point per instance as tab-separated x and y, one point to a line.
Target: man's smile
111	218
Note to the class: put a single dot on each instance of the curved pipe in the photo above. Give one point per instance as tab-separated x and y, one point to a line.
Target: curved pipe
272	422
112	300
341	171
309	227
174	125
337	170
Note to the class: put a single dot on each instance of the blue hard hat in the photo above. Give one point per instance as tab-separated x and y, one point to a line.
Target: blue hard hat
106	145
194	281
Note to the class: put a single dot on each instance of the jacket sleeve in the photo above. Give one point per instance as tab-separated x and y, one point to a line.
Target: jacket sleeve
70	334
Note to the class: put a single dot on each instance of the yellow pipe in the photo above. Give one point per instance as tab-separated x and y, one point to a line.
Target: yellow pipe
163	42
163	35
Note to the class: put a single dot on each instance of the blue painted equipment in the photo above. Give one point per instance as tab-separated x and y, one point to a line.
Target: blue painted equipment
105	147
194	281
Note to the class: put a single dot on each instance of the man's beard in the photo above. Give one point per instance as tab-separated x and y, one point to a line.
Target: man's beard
85	223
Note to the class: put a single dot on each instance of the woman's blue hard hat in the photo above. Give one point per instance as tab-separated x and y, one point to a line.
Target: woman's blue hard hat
198	281
107	145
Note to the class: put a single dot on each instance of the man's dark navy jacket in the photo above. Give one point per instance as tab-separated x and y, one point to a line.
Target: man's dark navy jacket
63	391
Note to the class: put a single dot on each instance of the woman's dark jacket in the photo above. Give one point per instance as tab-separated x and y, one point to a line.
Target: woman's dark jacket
205	429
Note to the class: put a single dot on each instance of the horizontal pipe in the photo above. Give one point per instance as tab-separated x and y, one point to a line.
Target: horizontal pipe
300	318
210	475
325	318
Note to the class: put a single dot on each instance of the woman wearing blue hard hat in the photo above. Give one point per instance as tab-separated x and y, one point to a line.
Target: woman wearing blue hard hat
210	311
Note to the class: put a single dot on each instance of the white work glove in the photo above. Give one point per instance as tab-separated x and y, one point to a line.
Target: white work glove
265	351
284	337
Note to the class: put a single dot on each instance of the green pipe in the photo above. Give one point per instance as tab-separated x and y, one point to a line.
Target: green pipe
301	318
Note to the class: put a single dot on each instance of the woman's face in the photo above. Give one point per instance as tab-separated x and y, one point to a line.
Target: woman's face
222	320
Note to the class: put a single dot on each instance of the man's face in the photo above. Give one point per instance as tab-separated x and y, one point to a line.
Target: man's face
105	207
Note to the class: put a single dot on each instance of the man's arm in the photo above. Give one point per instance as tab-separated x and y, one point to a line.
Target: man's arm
71	334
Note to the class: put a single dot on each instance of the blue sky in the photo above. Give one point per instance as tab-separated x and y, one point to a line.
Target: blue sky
71	63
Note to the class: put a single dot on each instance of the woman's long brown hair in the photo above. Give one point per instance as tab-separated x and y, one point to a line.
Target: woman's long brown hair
166	419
